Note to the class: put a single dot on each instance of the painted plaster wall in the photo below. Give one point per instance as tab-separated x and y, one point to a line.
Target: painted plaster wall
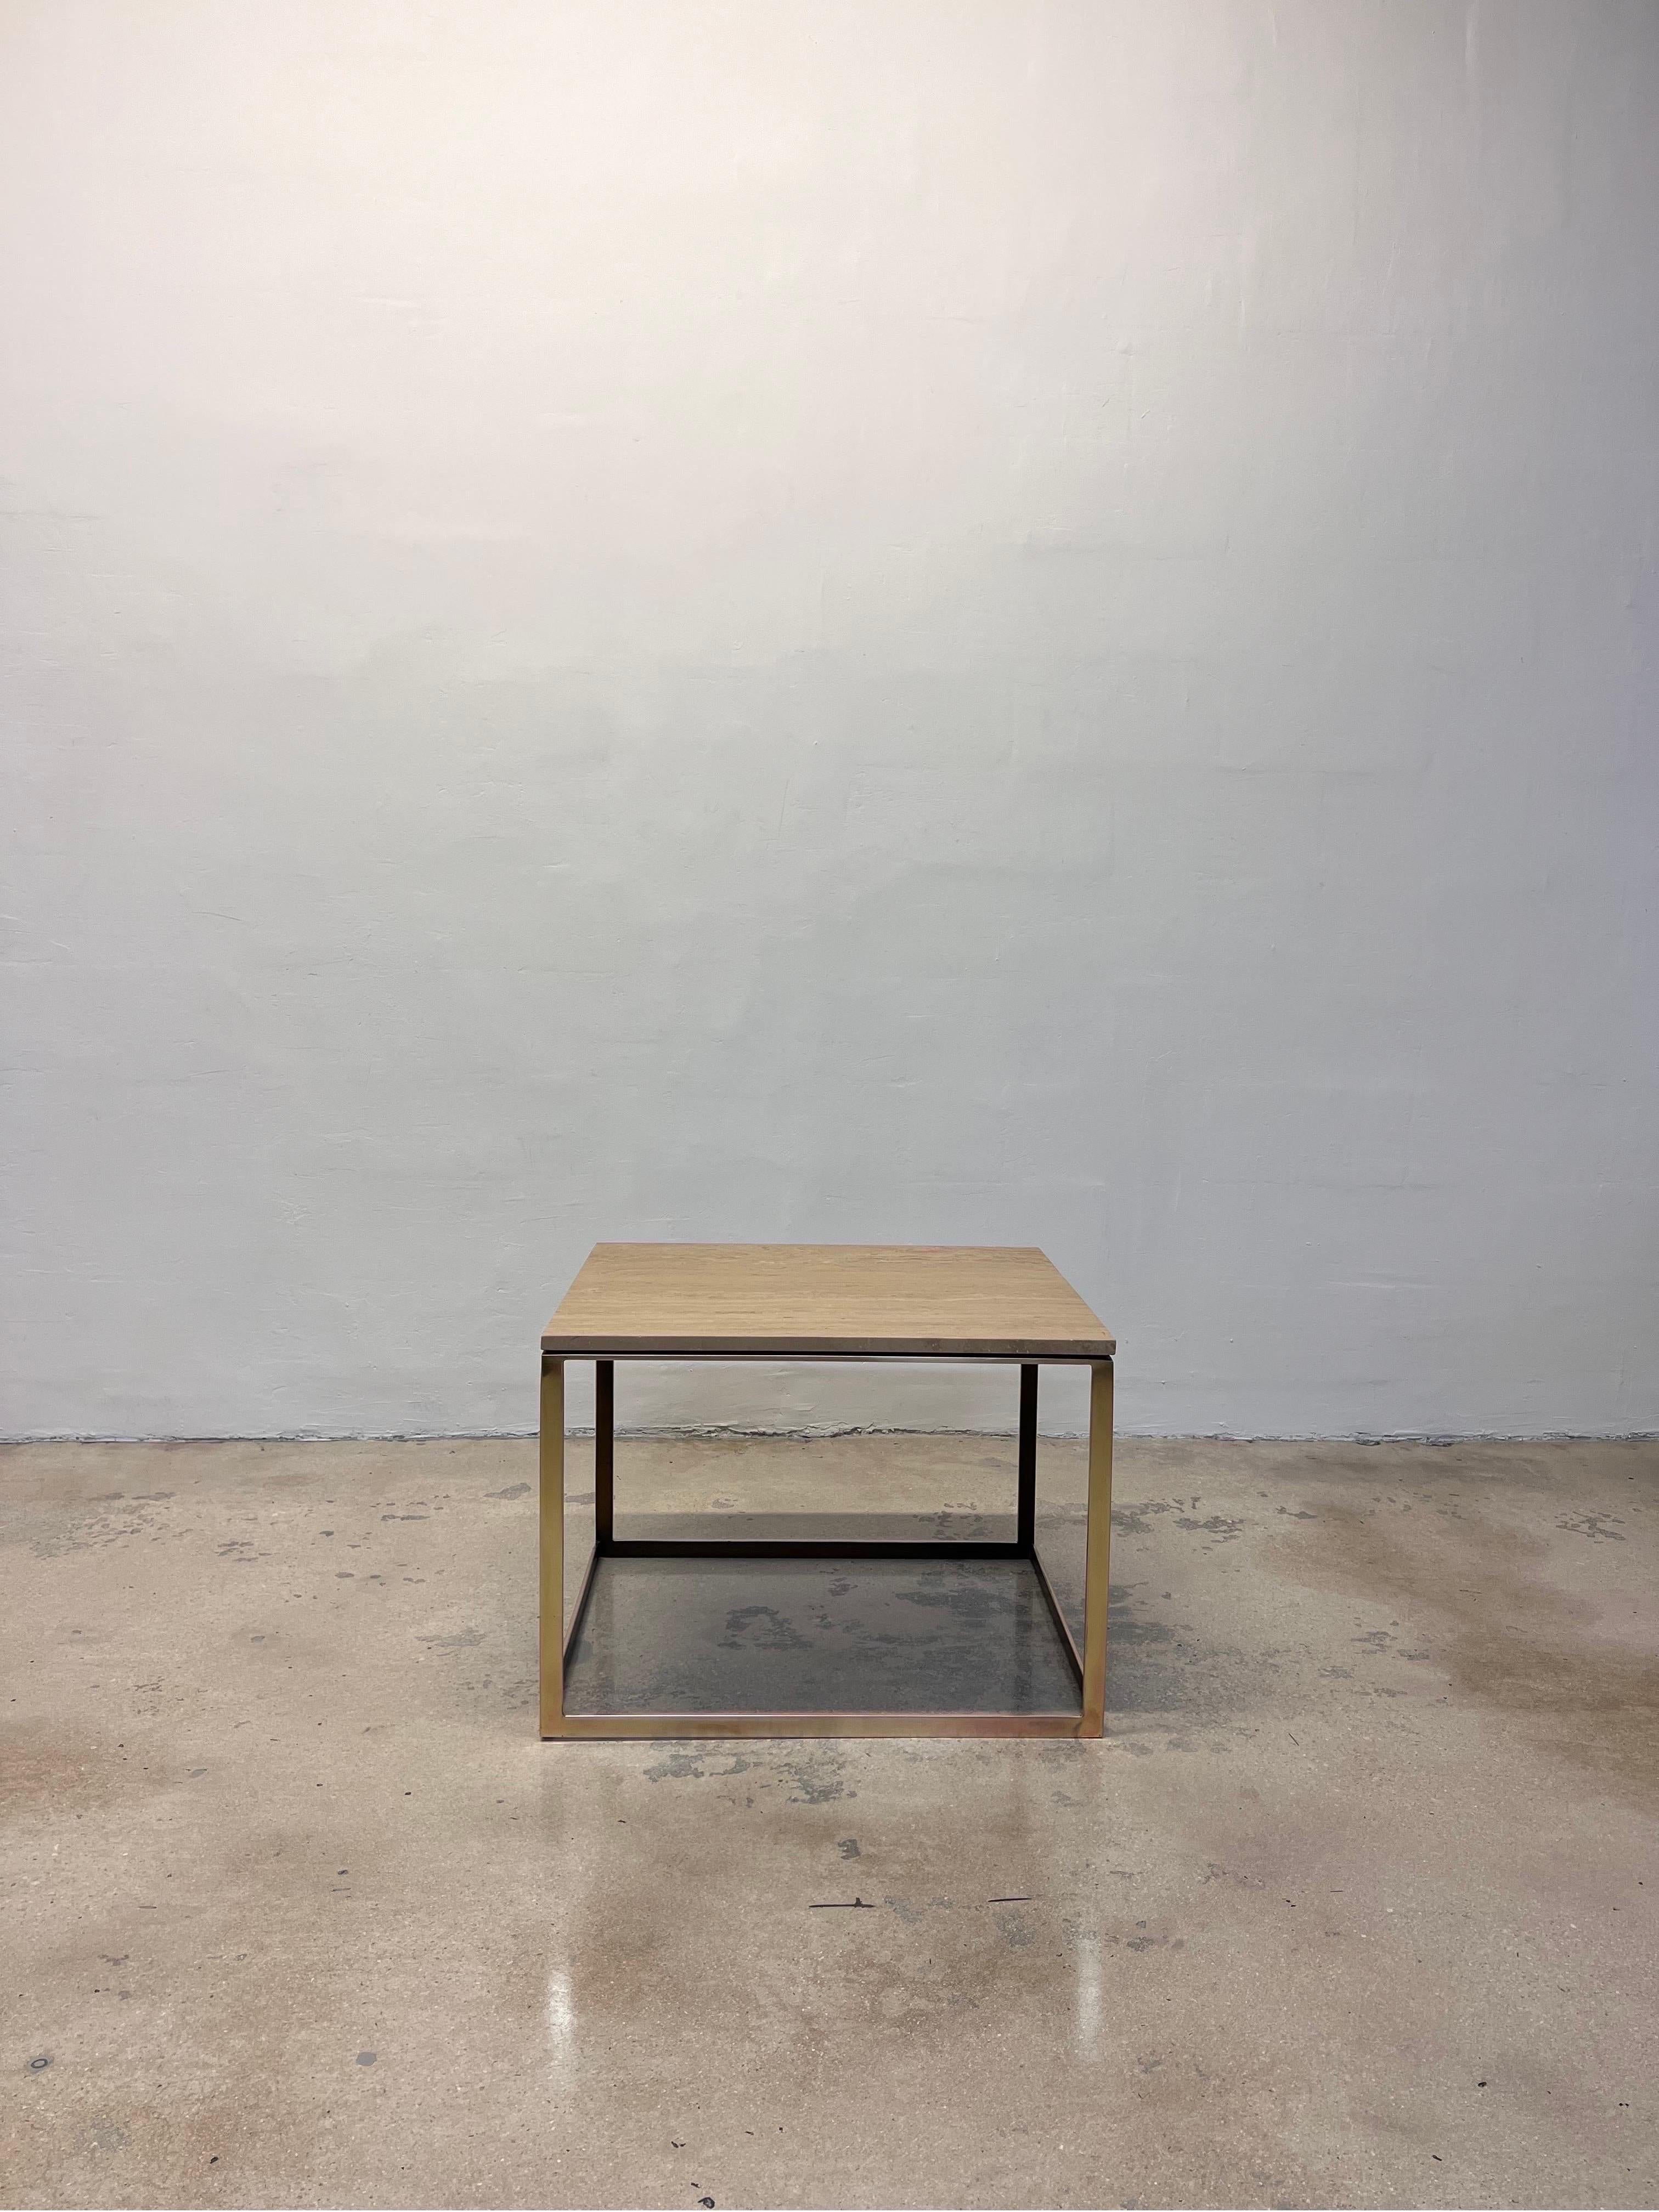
1006	622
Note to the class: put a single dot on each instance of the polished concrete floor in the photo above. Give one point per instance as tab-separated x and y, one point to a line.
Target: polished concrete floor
1356	1905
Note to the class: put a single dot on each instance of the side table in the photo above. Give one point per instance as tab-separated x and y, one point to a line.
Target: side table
822	1302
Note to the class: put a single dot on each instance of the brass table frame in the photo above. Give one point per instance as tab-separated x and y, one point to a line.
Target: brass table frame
1088	1666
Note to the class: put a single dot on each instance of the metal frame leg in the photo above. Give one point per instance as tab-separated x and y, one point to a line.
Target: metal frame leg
1098	1573
552	1546
604	1451
1025	1525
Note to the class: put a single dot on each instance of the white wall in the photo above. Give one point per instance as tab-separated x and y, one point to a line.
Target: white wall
830	619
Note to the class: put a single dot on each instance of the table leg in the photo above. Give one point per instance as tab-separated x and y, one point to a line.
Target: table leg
604	1451
1025	1526
1097	1573
552	1547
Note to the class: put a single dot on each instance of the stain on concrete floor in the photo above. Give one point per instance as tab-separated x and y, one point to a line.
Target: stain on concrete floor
1356	1904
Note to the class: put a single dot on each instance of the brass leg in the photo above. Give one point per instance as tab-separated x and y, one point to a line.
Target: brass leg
1098	1570
1025	1525
552	1562
604	1451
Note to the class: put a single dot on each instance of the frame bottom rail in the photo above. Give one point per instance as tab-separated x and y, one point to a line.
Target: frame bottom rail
623	1726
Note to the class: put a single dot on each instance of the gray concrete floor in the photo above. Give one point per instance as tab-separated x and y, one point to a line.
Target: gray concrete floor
1356	1905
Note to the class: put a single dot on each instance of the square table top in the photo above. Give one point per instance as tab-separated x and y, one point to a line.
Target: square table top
816	1301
